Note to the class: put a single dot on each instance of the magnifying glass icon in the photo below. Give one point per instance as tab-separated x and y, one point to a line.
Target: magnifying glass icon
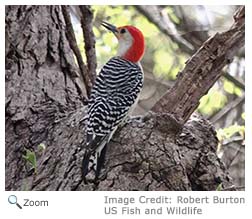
13	200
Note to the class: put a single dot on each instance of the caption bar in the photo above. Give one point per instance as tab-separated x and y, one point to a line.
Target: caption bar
160	205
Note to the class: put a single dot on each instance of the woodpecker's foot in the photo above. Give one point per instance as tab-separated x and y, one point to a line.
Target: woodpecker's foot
135	118
90	179
129	120
94	182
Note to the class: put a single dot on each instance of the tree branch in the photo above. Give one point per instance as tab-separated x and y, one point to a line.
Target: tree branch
226	109
202	71
192	31
188	43
89	39
73	44
162	21
235	81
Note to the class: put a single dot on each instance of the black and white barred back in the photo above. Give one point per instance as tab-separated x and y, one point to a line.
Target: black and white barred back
115	91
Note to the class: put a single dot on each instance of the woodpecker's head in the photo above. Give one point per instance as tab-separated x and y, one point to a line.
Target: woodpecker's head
131	41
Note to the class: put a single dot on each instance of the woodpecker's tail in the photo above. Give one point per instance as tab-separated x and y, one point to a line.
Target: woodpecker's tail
93	161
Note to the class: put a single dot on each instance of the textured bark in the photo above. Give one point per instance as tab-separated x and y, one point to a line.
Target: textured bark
41	82
43	106
89	40
202	70
143	155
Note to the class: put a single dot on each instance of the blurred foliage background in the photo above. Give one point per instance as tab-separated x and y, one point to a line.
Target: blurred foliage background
173	34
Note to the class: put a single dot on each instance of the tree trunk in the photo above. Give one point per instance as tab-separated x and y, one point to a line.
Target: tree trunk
41	84
43	105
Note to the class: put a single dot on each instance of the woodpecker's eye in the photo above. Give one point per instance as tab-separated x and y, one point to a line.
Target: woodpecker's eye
122	30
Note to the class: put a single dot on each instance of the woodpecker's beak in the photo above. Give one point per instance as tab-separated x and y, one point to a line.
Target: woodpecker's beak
110	27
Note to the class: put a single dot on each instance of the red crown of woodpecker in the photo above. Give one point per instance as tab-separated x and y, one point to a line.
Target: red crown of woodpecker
136	50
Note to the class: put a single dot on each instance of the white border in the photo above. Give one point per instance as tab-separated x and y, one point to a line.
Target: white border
124	2
91	204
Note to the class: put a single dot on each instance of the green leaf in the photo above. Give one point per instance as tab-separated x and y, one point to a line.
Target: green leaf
163	62
243	116
212	102
30	157
230	87
172	15
219	187
230	131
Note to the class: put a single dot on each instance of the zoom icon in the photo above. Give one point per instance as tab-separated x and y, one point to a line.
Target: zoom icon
13	200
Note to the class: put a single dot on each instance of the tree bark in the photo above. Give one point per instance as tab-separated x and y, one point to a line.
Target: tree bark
41	82
43	105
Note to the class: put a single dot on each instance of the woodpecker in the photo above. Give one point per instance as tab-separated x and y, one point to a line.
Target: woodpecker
113	96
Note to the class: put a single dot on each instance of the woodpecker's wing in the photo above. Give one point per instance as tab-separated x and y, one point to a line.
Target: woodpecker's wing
115	91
